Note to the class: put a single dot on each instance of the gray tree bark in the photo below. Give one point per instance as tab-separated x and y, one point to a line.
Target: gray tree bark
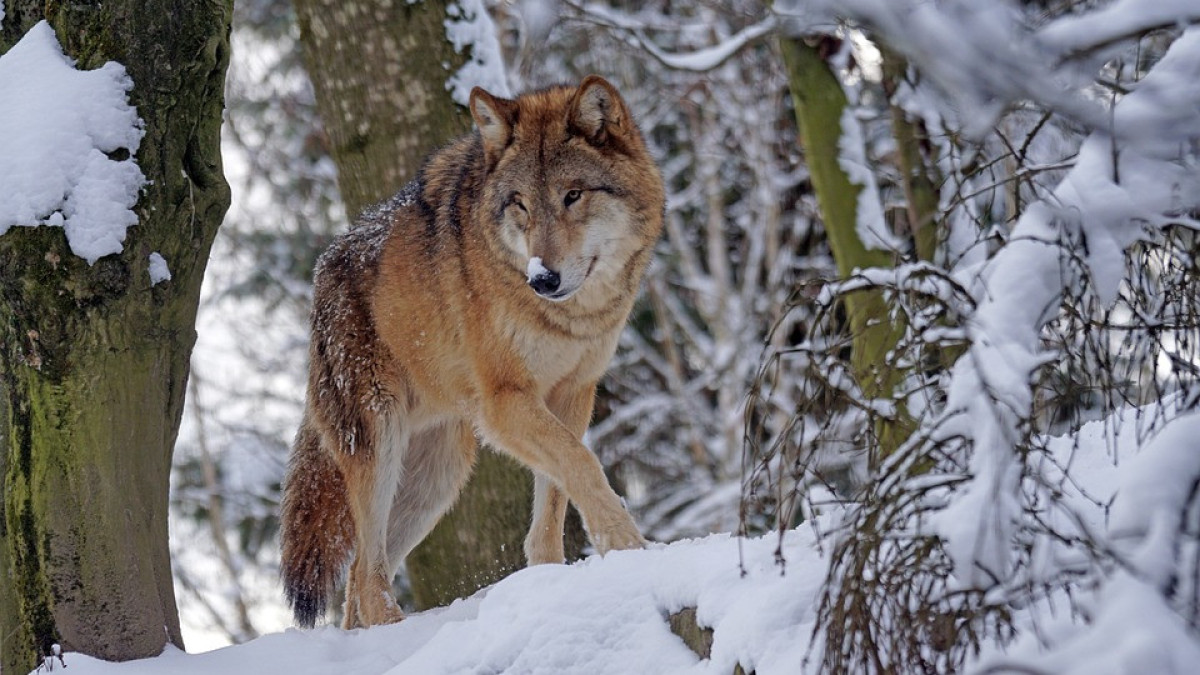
379	70
94	360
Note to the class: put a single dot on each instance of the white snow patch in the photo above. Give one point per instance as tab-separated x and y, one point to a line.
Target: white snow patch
604	615
159	271
57	126
539	17
535	268
470	28
1128	626
870	225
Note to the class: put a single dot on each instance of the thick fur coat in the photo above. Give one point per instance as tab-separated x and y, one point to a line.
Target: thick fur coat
485	299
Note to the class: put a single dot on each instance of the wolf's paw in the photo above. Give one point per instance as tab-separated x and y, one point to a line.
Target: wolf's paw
375	611
618	539
387	612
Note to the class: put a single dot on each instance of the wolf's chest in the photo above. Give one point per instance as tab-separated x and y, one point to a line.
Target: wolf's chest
549	356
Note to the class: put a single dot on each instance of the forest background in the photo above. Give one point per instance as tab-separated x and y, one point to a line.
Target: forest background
751	388
908	246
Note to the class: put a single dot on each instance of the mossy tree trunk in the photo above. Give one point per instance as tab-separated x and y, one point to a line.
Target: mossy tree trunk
379	71
819	102
919	175
94	360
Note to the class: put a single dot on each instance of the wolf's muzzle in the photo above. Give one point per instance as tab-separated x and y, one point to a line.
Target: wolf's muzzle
546	282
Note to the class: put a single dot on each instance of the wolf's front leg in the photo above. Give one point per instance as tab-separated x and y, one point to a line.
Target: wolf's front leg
520	424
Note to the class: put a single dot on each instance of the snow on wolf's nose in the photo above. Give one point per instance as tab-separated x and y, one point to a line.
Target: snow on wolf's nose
543	281
535	269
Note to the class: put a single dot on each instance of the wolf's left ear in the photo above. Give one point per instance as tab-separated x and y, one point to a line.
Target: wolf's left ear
597	111
495	117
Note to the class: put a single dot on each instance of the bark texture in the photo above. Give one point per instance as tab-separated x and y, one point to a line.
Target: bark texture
918	174
698	638
379	71
94	360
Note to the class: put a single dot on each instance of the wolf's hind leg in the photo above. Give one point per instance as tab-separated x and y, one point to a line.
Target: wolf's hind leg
544	543
436	467
372	475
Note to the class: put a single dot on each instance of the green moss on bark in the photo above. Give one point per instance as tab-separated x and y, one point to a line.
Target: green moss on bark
94	360
819	102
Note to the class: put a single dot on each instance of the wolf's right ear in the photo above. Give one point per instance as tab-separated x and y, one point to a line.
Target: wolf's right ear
597	111
495	118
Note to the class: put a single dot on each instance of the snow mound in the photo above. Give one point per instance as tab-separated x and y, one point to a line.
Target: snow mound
67	141
601	615
610	614
471	30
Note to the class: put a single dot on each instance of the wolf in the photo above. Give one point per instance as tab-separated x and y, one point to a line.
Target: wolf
485	300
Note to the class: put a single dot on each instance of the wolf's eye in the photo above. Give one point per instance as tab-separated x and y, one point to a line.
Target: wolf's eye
515	200
571	197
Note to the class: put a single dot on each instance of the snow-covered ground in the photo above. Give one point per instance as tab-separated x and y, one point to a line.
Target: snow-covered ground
610	614
601	615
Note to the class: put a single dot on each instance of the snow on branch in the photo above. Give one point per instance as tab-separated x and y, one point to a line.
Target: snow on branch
701	60
1077	35
1122	183
981	53
470	28
67	145
710	57
1134	628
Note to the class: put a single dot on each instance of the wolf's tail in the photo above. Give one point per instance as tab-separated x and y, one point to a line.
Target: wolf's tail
317	528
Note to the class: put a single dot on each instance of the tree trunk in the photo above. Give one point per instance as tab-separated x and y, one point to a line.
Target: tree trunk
94	360
918	176
819	101
379	72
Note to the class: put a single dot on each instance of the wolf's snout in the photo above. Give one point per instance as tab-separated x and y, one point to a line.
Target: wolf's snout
543	280
546	282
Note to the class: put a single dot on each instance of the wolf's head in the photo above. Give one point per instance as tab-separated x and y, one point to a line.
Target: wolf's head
571	192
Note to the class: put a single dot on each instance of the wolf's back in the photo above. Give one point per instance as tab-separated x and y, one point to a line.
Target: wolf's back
317	528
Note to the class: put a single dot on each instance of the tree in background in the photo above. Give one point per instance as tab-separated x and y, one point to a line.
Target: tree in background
94	354
961	120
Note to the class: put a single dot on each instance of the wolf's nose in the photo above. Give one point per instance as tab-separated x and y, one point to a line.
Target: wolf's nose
545	282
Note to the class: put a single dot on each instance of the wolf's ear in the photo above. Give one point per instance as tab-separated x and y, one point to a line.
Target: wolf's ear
597	111
495	118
